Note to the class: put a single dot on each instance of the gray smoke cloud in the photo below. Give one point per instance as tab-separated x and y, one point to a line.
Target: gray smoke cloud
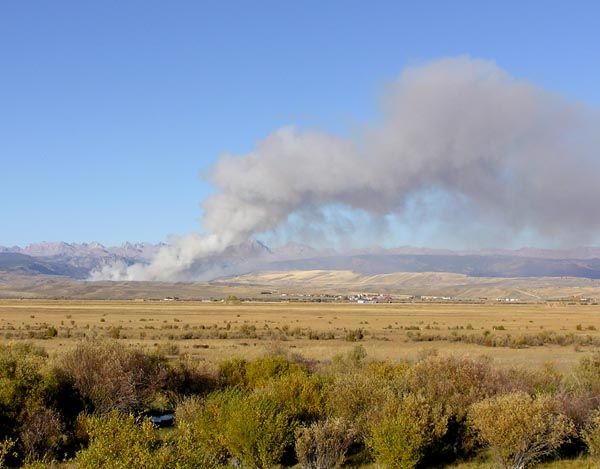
510	153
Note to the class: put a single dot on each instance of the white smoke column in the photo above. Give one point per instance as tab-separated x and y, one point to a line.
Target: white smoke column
522	157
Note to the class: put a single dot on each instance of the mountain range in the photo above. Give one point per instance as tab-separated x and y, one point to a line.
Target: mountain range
75	260
80	260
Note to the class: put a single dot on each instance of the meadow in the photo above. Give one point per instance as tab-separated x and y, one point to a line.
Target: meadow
305	385
511	334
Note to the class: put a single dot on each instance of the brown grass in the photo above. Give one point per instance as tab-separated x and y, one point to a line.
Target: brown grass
212	331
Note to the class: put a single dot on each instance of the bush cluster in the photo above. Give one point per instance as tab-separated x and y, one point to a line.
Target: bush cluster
489	339
89	408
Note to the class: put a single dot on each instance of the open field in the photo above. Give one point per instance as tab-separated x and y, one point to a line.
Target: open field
302	380
519	334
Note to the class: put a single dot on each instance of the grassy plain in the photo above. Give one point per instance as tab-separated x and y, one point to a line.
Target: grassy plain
213	331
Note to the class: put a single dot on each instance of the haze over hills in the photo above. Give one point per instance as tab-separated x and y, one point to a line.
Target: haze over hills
85	261
75	260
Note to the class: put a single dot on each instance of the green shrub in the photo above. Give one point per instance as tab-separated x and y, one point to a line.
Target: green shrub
124	441
188	410
546	380
454	382
520	429
5	449
262	370
203	423
27	382
357	394
21	362
232	373
258	429
586	375
404	415
186	450
591	436
38	405
301	395
408	425
257	373
121	441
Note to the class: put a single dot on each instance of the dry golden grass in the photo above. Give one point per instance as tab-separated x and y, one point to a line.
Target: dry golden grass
212	331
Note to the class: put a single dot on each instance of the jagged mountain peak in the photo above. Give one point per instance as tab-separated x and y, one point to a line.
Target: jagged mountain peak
80	259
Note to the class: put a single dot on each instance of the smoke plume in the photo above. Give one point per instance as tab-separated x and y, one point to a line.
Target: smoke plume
511	154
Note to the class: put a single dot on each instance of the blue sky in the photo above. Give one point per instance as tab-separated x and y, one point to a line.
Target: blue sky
110	111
